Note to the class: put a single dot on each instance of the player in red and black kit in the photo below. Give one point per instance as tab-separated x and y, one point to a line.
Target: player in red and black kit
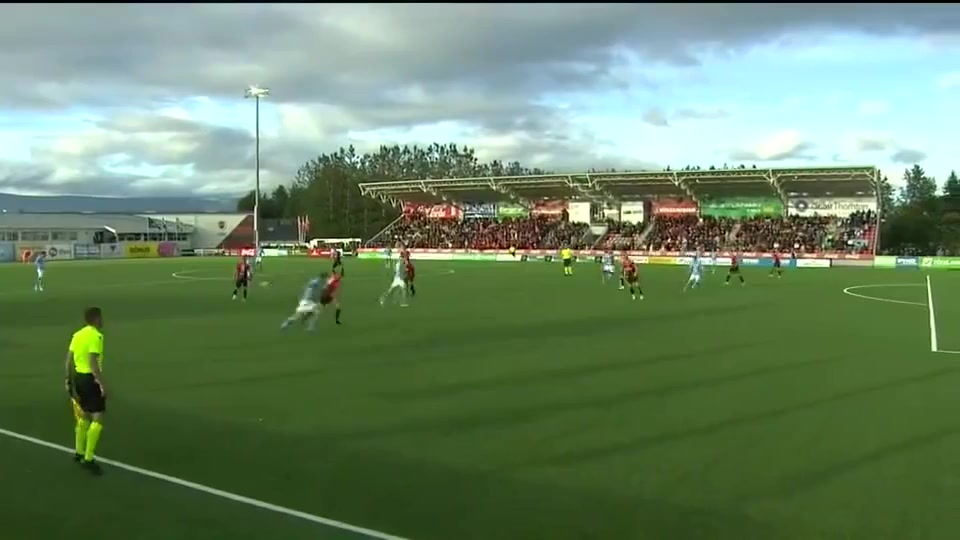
410	274
777	266
734	269
632	278
331	292
337	255
241	278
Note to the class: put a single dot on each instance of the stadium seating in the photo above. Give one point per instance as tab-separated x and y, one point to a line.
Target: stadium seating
522	233
854	234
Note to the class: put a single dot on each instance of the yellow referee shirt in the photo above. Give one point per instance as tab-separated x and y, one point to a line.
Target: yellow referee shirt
86	341
566	254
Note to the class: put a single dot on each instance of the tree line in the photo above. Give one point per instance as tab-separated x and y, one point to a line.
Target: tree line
917	217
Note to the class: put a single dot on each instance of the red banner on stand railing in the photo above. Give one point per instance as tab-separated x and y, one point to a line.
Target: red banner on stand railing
433	211
673	207
548	208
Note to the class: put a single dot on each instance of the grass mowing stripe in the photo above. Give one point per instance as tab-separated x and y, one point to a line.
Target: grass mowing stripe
212	491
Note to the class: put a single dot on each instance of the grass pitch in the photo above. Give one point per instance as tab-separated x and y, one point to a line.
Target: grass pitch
509	402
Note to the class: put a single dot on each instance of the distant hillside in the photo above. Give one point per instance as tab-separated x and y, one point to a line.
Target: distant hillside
70	203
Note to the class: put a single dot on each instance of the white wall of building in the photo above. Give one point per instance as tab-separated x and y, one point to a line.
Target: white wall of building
209	230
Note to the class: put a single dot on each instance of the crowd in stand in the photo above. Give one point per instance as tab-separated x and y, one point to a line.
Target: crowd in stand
667	233
535	232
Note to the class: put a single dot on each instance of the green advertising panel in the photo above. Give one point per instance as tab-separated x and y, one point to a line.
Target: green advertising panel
940	262
741	207
507	210
881	261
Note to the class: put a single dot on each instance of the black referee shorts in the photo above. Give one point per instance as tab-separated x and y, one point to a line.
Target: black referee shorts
89	395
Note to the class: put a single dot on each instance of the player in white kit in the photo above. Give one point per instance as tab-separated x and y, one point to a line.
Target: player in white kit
607	266
41	263
387	255
696	272
398	285
307	308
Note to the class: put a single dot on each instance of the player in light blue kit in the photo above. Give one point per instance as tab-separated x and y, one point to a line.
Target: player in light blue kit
308	307
41	264
696	271
398	285
607	266
387	255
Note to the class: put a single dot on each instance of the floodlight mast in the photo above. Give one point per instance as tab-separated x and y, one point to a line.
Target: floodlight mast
256	93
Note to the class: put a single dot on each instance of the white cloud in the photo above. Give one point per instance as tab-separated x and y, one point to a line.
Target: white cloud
949	81
782	145
873	107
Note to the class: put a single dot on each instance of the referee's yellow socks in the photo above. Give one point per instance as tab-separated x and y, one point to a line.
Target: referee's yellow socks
93	437
81	435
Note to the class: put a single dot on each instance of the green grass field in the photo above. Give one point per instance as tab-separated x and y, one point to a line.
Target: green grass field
508	402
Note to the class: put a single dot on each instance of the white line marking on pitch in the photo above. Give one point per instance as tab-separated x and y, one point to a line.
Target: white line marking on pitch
874	298
933	317
369	533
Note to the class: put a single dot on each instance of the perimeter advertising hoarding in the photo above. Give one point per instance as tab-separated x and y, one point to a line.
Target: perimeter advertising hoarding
59	252
833	207
940	262
479	210
673	207
86	251
8	252
510	210
742	207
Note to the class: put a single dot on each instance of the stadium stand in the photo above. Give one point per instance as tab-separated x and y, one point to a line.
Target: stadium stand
716	210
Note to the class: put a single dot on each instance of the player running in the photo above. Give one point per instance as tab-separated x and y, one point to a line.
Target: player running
777	266
41	263
607	266
398	285
734	269
631	277
307	308
337	254
388	256
242	277
258	261
696	272
409	274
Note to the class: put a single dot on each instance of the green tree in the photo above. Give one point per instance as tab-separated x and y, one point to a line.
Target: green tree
918	188
886	195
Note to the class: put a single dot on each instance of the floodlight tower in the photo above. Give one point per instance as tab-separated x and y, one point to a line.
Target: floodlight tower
256	93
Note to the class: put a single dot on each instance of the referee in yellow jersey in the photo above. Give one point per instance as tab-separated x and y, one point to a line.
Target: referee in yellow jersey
84	382
566	255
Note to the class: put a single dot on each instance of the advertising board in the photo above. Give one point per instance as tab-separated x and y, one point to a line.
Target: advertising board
940	262
86	251
511	210
8	252
480	210
549	208
168	249
631	212
741	207
272	252
882	261
140	250
112	251
59	252
834	207
26	250
813	263
907	262
673	207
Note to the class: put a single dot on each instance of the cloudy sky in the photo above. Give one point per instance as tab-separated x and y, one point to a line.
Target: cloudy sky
141	99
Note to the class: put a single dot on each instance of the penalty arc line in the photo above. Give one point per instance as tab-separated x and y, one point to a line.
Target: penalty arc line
849	290
332	523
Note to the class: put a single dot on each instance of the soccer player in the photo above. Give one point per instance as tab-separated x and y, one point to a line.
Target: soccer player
307	309
331	293
410	274
388	256
259	260
696	272
242	276
777	269
631	277
41	263
607	266
398	284
566	255
337	254
734	269
84	379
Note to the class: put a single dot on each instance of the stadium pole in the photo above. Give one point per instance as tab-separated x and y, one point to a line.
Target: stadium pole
256	92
